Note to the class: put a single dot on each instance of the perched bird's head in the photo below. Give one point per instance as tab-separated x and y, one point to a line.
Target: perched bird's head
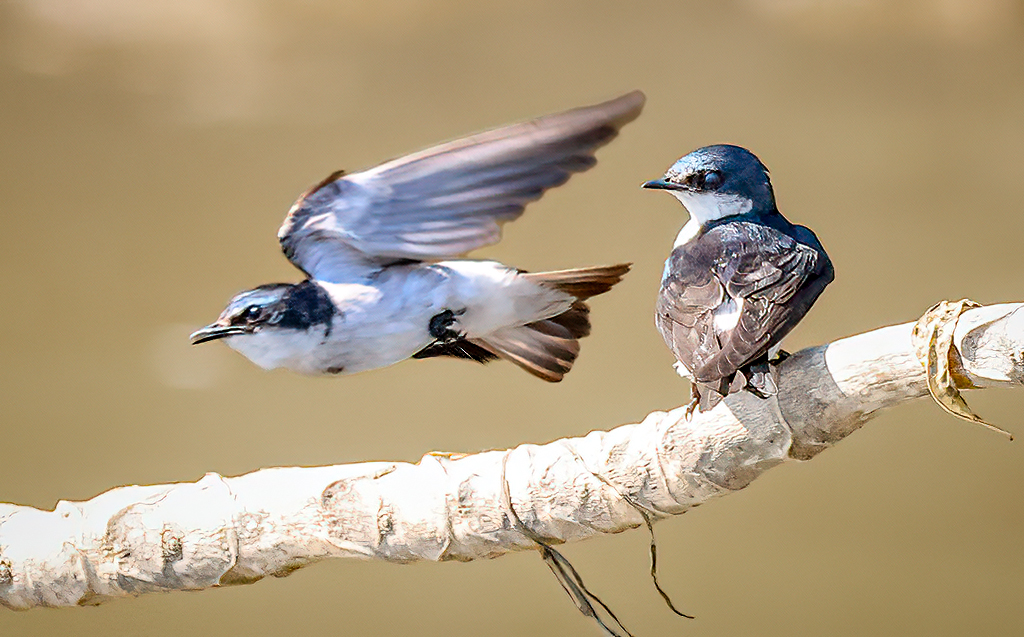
271	324
719	181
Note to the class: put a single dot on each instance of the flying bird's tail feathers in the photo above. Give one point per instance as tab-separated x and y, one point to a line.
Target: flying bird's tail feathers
582	283
536	347
548	348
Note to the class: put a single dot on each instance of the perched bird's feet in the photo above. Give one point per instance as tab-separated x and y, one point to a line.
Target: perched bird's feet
762	380
441	326
694	403
781	356
691	408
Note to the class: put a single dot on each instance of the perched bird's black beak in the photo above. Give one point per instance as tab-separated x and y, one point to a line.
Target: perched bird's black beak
661	184
215	332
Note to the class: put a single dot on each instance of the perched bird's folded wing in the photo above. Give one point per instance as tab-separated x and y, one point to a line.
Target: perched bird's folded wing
684	313
452	198
772	279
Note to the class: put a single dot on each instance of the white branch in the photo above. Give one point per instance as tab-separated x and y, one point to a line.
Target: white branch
220	531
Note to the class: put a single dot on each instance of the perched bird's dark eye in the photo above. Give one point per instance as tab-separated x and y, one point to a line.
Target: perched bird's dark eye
252	312
712	180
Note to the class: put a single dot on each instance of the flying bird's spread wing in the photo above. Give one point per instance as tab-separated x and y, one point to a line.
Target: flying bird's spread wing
449	199
765	275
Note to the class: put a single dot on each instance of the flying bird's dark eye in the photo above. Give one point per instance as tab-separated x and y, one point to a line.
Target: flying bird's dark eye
712	180
252	312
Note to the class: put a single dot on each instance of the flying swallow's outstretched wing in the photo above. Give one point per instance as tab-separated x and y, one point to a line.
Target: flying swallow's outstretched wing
449	199
765	275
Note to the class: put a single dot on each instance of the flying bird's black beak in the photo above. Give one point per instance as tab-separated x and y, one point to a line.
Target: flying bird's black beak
215	332
661	184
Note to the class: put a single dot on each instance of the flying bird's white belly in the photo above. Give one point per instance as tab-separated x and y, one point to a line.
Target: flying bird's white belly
271	349
387	319
382	323
496	297
373	326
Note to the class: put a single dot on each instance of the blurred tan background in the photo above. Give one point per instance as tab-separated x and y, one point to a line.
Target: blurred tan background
150	151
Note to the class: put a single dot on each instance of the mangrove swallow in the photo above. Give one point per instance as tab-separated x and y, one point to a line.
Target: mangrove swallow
377	250
740	275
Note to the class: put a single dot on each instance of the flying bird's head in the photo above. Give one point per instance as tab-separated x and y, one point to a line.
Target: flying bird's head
271	324
718	181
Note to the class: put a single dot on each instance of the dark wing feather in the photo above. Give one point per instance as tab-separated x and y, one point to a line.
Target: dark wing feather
689	294
776	277
452	198
457	349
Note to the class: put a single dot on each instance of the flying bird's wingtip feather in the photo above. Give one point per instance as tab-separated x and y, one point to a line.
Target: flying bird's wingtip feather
615	113
634	101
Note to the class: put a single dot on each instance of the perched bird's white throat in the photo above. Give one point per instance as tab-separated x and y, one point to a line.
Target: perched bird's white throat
705	207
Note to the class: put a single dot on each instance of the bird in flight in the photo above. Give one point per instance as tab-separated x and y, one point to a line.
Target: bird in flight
740	275
379	249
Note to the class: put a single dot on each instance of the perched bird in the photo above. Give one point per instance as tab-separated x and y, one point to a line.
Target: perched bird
740	275
381	284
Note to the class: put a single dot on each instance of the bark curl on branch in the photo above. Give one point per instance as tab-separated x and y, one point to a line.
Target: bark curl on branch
221	531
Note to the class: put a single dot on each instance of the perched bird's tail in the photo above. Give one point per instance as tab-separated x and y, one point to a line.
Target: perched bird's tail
548	348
